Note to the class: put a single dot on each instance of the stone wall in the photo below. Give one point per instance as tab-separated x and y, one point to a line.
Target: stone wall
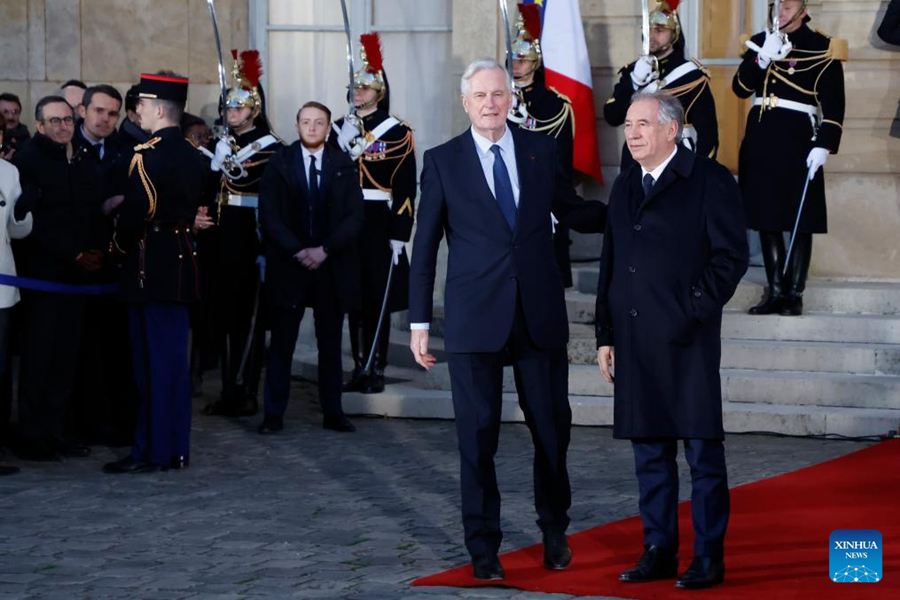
43	43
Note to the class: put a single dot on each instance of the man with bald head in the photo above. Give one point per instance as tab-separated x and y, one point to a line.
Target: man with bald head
674	251
491	190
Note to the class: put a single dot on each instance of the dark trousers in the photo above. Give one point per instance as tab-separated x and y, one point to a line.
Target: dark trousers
476	381
159	346
285	325
51	331
657	474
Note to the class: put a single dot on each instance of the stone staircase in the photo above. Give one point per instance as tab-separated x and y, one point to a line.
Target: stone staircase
835	370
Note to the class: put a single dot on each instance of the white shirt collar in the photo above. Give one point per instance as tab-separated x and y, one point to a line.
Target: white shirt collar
662	167
484	144
90	139
317	154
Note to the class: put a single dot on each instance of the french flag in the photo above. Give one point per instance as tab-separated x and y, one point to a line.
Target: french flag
568	71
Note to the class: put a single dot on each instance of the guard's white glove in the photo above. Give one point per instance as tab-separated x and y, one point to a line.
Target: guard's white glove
223	151
643	72
689	138
816	160
349	132
397	249
776	47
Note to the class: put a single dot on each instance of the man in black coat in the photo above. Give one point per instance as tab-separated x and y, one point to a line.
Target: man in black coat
311	212
60	189
491	190
796	122
685	79
674	251
159	275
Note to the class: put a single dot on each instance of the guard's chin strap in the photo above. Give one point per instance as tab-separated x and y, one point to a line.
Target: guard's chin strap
537	65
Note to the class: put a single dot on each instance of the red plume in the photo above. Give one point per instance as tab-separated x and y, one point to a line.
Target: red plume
251	67
371	43
673	4
234	53
531	16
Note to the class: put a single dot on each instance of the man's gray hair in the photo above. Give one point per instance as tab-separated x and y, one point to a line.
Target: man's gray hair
670	109
482	64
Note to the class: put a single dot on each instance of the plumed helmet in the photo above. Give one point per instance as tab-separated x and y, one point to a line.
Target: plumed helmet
371	73
527	45
664	15
244	91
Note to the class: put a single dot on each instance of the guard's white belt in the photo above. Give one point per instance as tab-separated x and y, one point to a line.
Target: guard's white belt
376	195
246	201
776	102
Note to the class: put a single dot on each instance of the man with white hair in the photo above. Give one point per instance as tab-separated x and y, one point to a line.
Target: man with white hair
674	251
491	190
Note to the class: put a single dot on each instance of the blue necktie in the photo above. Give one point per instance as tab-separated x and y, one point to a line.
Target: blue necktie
503	188
648	184
99	148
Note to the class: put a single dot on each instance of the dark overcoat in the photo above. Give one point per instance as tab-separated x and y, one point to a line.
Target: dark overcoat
670	262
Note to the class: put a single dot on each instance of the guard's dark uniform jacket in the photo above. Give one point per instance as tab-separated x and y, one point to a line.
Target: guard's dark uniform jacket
551	113
692	89
153	228
799	106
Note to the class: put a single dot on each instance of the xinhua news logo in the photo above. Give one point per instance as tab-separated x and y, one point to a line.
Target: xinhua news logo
855	556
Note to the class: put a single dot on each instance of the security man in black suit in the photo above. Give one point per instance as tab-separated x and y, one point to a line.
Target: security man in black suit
311	213
159	276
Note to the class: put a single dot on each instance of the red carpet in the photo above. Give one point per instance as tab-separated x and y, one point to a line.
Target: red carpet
777	544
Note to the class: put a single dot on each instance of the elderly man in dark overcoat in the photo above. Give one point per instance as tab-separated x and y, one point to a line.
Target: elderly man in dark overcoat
673	253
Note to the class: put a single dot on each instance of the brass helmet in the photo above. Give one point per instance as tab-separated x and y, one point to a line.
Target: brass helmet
371	73
527	45
664	15
244	91
773	16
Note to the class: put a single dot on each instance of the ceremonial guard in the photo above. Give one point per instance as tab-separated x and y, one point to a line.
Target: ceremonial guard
544	110
241	156
664	67
384	148
795	123
159	276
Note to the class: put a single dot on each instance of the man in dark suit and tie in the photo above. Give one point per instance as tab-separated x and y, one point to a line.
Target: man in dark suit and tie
310	212
674	251
491	190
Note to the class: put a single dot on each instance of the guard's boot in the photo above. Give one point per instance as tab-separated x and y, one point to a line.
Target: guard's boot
358	379
773	255
800	258
376	380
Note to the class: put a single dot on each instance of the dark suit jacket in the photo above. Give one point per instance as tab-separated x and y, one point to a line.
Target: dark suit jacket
489	264
284	214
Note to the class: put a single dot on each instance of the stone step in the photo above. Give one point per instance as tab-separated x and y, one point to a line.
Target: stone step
826	357
864	297
740	385
406	401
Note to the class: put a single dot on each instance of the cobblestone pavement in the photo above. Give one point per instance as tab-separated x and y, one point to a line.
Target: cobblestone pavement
307	513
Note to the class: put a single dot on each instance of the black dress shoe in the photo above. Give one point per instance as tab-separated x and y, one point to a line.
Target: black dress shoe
270	424
180	462
656	563
75	450
488	568
7	470
704	572
359	380
557	553
793	306
129	464
773	303
375	384
340	423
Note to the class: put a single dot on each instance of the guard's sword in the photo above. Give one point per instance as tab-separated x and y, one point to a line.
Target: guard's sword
349	56
645	34
787	257
384	301
776	13
518	113
223	87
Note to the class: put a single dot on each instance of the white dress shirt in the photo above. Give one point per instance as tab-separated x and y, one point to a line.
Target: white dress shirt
507	150
102	142
318	154
658	171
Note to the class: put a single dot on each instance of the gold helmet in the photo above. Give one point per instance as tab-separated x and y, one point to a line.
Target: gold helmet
244	92
773	16
371	73
664	15
527	45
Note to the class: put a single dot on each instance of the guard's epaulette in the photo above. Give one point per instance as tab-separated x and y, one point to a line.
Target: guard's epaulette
838	49
402	122
148	145
701	66
561	96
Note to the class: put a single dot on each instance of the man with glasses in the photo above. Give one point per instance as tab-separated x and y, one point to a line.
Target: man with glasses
61	191
16	133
